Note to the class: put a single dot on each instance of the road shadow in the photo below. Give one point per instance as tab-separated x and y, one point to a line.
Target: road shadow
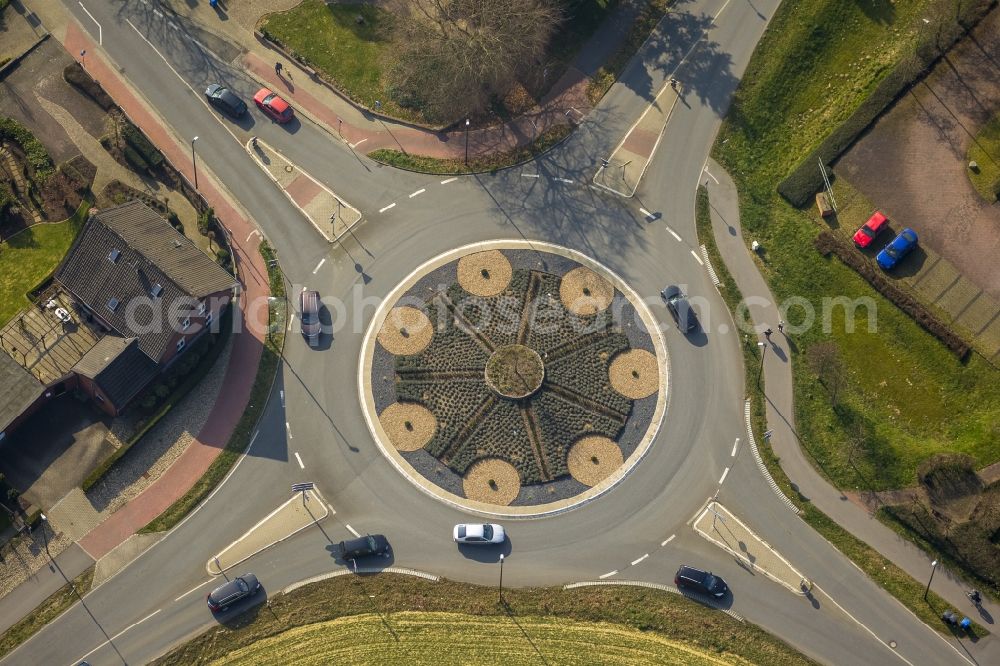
487	554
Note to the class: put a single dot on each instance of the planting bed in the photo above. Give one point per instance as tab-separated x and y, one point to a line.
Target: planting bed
508	359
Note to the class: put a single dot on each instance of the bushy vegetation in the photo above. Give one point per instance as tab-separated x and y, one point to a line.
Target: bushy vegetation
39	160
78	77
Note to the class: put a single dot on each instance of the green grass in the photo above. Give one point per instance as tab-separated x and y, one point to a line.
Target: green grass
28	257
47	611
985	151
907	394
491	162
391	598
240	438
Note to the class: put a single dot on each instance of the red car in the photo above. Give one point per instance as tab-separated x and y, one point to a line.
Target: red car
864	236
273	106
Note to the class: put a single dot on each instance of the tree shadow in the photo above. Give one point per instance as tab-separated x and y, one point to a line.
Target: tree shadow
882	12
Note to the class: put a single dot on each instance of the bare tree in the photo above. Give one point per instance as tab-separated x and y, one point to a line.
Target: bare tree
451	56
824	359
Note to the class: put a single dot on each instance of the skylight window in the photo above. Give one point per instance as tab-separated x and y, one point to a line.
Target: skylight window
156	291
113	304
113	256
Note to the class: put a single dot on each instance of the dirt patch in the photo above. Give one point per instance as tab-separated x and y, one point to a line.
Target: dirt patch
515	371
635	374
409	425
593	459
406	331
913	165
493	481
583	292
484	273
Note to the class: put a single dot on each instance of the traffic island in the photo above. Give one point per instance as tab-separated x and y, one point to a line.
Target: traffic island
329	214
302	510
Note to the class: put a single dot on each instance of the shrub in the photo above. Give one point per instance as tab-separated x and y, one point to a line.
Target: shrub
135	159
148	401
161	390
38	158
800	186
77	77
827	243
205	221
222	257
138	140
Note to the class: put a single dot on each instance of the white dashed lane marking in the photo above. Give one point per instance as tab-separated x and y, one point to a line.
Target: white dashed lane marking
319	265
352	530
726	472
392	205
646	213
674	234
669	539
529	175
564	180
448	180
299	458
635	562
608	575
288	429
697	258
418	192
735	446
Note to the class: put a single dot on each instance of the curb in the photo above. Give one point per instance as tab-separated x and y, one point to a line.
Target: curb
362	570
654	586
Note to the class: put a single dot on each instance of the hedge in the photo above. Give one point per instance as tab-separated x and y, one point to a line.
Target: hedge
800	186
138	140
38	158
827	243
133	157
77	77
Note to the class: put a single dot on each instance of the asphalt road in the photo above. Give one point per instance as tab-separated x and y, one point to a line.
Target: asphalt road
158	600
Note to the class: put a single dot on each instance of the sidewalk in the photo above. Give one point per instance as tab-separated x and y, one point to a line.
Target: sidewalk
565	100
780	417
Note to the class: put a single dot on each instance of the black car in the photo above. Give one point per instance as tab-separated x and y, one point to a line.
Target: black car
224	596
703	581
225	100
680	308
370	544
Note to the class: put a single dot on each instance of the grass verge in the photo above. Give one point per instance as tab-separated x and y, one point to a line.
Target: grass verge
45	612
30	256
658	614
491	162
266	369
985	151
884	572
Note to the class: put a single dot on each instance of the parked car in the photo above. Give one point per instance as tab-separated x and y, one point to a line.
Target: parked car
225	100
370	544
864	236
900	246
309	315
680	308
224	596
478	533
273	105
702	581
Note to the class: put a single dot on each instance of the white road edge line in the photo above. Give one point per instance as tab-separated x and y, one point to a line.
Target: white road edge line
392	205
319	265
448	180
299	458
669	539
697	258
351	530
418	192
608	575
674	234
724	475
635	562
202	584
735	446
100	30
710	175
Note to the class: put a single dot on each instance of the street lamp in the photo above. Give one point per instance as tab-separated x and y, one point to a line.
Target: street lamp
933	569
194	163
45	537
467	164
83	58
501	578
763	350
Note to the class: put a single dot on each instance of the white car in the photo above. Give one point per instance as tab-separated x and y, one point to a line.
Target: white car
469	533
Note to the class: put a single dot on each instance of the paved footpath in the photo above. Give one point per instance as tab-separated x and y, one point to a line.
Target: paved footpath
780	420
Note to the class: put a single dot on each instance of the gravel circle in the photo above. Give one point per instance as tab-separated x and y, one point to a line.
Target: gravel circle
635	374
406	331
484	273
583	292
593	459
476	482
409	425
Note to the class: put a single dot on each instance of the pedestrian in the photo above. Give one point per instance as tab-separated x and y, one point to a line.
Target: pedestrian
781	327
767	333
253	142
673	83
277	68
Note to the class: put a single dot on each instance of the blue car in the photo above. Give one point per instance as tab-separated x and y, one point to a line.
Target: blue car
894	252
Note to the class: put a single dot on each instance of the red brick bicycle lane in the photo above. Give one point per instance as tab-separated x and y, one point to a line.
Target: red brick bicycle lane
250	321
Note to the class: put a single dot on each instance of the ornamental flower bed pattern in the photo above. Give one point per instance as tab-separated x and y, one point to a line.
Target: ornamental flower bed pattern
475	421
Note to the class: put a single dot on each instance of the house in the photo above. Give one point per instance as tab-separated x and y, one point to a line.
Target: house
130	296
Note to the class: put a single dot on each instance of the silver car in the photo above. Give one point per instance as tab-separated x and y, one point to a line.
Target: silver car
478	533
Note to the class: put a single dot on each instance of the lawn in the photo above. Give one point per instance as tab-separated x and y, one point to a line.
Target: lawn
907	397
390	618
28	257
985	151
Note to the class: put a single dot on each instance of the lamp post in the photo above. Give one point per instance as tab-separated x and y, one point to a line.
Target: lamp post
45	537
83	58
763	350
467	164
501	578
194	163
933	569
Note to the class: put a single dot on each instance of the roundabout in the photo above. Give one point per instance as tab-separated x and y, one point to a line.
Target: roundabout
514	379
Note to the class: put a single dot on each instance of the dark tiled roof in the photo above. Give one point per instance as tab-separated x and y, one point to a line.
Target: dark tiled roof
147	252
18	389
118	367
